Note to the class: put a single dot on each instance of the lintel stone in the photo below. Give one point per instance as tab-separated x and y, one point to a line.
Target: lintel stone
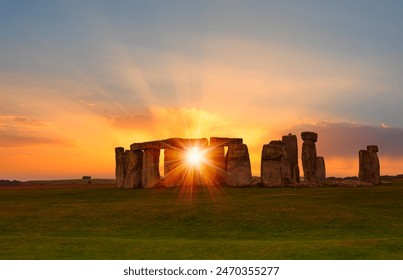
224	141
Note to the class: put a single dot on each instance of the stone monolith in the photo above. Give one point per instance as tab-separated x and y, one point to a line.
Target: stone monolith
217	166
275	166
309	155
320	169
134	169
174	168
151	172
291	148
120	170
217	159
238	166
369	167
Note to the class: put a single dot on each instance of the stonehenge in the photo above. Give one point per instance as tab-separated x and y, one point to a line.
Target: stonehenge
369	167
139	166
226	161
279	162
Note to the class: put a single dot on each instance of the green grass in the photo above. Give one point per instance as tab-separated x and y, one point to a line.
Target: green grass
99	222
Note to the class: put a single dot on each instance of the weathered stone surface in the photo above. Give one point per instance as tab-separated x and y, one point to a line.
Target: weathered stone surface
217	166
159	144
372	148
185	143
320	169
174	169
224	141
309	156
119	150
308	135
120	170
291	148
134	169
151	172
369	167
272	151
238	166
179	143
275	167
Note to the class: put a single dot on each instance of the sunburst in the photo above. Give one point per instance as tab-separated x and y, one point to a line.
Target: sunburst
194	157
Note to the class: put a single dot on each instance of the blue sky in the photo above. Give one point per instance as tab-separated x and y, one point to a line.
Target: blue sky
256	68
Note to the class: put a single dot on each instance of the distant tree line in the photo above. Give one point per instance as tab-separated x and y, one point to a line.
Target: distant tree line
355	178
10	183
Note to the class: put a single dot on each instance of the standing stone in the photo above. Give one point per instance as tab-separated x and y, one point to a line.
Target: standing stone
120	170
309	155
151	172
320	169
216	167
134	169
369	167
174	167
172	159
238	167
217	159
291	148
275	166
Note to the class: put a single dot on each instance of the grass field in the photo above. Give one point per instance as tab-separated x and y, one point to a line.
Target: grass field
100	222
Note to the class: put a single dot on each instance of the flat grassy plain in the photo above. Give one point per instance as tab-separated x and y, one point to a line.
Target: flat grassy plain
101	222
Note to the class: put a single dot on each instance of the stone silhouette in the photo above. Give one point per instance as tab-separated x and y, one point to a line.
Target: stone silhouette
157	145
320	169
173	161
218	159
217	167
369	167
120	171
139	167
133	177
151	172
275	165
291	147
309	160
238	166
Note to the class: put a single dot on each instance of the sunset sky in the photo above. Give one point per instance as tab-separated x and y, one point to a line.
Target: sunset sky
78	78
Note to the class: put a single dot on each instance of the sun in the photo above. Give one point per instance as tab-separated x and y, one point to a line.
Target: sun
194	156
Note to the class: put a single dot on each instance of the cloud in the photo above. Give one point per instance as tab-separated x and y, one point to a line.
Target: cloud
20	131
19	122
14	141
130	122
346	139
160	122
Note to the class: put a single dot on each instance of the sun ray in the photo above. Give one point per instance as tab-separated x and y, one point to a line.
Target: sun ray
194	157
